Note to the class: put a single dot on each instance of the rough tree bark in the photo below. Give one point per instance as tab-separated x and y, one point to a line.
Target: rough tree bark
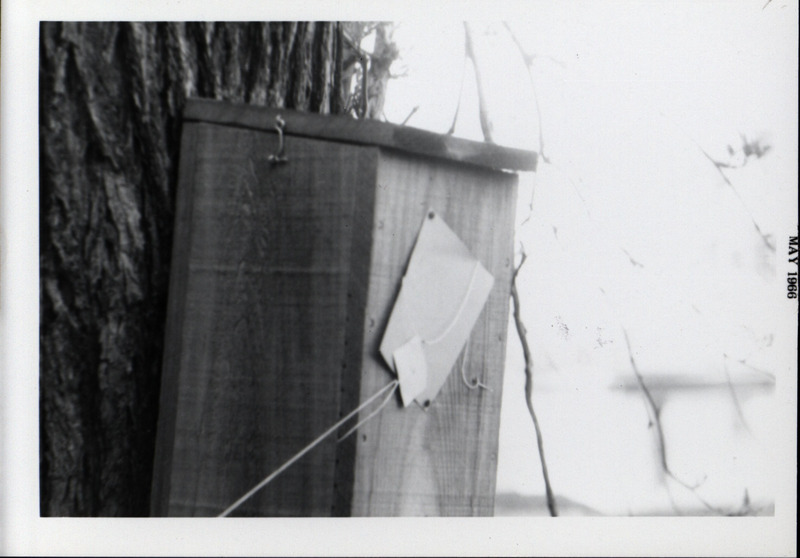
111	96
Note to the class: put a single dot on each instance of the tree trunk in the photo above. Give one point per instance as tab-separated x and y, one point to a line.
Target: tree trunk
111	97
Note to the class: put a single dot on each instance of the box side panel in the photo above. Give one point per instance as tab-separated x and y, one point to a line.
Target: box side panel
261	347
165	438
439	461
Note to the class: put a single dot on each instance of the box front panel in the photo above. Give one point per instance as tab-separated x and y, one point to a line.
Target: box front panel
261	335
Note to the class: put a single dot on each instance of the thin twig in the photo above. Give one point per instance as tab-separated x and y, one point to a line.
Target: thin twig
719	166
770	375
528	59
410	114
452	129
734	397
654	411
483	111
634	262
526	352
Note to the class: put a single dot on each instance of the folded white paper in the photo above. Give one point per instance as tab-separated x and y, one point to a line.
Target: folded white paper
443	293
412	370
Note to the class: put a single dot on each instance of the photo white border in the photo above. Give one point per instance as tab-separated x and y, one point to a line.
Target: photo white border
22	531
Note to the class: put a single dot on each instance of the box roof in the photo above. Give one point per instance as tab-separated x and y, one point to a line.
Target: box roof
361	132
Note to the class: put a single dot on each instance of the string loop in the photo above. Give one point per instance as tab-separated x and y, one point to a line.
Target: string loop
475	382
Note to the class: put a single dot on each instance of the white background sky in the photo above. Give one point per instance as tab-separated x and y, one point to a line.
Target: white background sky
628	95
627	92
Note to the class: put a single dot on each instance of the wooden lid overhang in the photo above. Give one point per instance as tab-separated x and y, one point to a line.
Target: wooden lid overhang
361	132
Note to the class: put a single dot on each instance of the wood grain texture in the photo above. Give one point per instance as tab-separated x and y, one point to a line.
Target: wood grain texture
439	461
111	96
284	277
364	132
265	307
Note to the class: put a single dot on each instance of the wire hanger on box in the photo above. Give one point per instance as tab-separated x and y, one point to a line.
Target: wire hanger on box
279	156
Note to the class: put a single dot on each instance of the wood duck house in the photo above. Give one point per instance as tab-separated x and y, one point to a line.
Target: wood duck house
293	235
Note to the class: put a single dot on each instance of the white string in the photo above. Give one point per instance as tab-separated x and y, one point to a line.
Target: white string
392	385
373	413
476	384
463	305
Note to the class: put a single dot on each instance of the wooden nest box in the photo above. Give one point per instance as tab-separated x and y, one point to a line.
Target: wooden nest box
284	274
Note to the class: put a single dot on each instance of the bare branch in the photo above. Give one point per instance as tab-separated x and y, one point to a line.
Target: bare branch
529	59
719	166
634	262
734	396
410	114
526	352
372	69
452	129
652	408
654	411
770	375
748	149
521	262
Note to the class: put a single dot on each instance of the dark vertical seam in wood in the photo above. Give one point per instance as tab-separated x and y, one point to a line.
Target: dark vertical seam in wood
204	77
357	289
90	421
323	64
255	58
296	69
317	72
223	44
266	61
149	143
337	103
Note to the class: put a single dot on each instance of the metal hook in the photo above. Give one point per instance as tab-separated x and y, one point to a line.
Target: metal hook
279	157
